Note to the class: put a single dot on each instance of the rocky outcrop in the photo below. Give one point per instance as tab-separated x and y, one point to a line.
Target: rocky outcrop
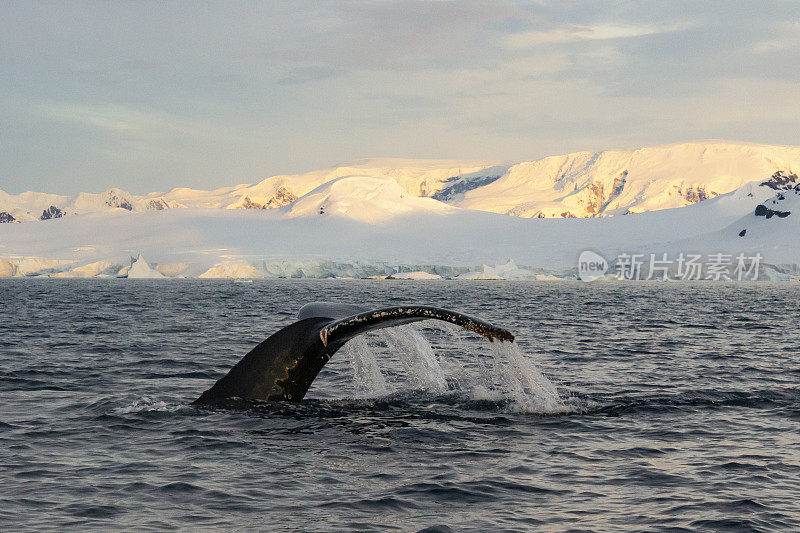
51	212
697	194
594	198
459	185
247	203
282	196
118	198
6	218
781	180
616	189
156	204
764	211
787	193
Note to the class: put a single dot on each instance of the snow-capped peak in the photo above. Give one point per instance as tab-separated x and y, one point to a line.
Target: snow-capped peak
595	184
362	198
581	184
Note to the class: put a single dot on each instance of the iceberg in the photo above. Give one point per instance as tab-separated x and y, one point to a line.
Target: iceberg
7	268
417	275
141	269
231	271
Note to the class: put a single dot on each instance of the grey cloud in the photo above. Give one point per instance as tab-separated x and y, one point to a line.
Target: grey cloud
205	94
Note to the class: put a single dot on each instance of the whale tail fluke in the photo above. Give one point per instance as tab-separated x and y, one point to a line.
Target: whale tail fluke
284	365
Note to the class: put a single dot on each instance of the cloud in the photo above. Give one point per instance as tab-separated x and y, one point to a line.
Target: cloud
211	94
788	38
308	75
109	118
141	124
574	33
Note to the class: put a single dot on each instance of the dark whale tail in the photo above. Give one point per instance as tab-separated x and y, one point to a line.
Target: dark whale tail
284	366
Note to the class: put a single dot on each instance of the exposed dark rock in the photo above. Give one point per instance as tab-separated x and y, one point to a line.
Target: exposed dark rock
567	214
114	199
781	180
247	203
460	184
616	190
764	211
742	233
6	217
695	195
282	196
157	204
51	212
595	200
785	185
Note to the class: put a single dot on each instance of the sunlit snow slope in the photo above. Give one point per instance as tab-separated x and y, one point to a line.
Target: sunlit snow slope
338	222
591	184
584	184
384	217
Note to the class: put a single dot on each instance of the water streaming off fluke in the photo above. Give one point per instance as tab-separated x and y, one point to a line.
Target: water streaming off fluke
402	359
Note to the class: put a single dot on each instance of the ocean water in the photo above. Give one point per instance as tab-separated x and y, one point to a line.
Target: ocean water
678	409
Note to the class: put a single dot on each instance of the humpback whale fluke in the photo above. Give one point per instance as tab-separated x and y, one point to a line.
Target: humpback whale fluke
284	366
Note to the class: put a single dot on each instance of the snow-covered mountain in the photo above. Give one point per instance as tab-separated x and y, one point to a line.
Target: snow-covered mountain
416	177
30	205
336	229
371	224
363	198
771	228
582	185
597	184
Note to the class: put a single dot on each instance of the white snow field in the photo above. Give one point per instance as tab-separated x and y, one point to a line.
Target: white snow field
598	184
416	177
583	184
372	224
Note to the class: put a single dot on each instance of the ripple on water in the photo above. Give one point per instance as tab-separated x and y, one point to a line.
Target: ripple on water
677	408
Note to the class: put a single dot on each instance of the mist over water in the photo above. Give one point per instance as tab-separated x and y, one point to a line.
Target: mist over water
647	406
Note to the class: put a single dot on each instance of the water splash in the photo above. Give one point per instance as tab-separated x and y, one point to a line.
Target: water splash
470	367
416	355
143	404
496	372
367	376
466	368
499	372
520	381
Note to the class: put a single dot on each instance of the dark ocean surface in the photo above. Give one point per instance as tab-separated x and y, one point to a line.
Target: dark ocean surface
680	411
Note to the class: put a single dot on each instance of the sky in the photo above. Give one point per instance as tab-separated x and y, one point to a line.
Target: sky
151	95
